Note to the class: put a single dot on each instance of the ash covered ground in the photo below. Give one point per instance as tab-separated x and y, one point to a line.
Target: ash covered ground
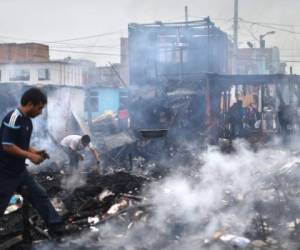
246	199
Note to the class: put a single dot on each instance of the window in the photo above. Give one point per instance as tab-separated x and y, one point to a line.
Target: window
19	75
43	74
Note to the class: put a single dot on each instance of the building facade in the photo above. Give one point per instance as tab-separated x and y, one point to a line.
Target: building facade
259	61
23	52
175	51
59	72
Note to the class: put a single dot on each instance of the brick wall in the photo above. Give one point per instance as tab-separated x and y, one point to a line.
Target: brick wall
24	52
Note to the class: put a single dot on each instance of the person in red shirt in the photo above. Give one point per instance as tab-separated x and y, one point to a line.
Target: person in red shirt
123	117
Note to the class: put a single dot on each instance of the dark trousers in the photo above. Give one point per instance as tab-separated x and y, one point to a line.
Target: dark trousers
36	194
236	128
73	159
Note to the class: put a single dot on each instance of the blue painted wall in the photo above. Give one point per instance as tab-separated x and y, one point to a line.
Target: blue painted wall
109	99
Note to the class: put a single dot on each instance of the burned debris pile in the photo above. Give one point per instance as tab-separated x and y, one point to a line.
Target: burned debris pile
125	211
97	200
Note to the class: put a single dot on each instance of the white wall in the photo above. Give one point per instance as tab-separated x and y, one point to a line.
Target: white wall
61	73
62	102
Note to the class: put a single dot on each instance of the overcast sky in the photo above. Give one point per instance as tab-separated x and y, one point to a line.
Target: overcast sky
57	20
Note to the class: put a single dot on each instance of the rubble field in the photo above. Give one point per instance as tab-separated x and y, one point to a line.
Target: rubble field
116	211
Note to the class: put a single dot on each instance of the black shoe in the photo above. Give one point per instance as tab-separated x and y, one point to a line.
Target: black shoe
56	231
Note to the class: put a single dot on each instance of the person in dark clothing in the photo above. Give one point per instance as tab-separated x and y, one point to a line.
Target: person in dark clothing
236	115
15	134
251	116
286	117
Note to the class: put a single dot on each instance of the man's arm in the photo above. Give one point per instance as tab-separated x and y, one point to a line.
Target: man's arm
33	150
95	154
17	151
11	127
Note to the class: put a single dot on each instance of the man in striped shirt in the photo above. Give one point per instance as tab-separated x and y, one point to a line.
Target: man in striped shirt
15	133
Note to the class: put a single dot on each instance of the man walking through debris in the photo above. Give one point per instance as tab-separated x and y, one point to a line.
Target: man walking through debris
72	144
15	133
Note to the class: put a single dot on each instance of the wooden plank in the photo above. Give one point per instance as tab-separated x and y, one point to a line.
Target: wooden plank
13	241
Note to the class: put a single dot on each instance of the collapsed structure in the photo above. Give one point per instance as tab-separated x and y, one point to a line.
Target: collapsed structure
168	62
180	75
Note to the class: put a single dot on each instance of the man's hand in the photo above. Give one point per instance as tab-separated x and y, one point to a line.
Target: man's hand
29	154
36	158
44	154
96	155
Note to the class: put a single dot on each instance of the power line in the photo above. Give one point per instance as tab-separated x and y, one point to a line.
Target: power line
87	37
214	18
74	46
273	24
61	41
85	52
289	61
289	56
63	44
269	26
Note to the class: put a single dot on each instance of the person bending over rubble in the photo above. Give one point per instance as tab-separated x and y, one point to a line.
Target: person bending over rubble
73	144
15	133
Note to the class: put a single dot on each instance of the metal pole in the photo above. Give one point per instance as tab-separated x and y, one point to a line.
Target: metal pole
208	45
89	109
291	87
235	35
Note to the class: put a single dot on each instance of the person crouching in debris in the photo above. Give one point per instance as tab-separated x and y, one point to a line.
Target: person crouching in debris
72	144
15	134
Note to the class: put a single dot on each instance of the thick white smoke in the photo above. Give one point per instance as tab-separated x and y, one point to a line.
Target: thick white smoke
218	194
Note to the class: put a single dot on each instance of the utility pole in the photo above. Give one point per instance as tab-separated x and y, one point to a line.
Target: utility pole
186	14
262	42
235	35
235	57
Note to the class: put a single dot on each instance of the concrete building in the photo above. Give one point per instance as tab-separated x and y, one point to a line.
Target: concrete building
124	67
64	81
29	63
64	112
108	86
58	72
69	84
180	51
116	74
259	61
109	76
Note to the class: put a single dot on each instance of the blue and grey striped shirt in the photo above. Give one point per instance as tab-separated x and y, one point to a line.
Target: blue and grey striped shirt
15	129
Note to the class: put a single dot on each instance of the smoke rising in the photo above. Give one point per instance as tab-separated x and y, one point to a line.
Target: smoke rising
73	181
220	193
